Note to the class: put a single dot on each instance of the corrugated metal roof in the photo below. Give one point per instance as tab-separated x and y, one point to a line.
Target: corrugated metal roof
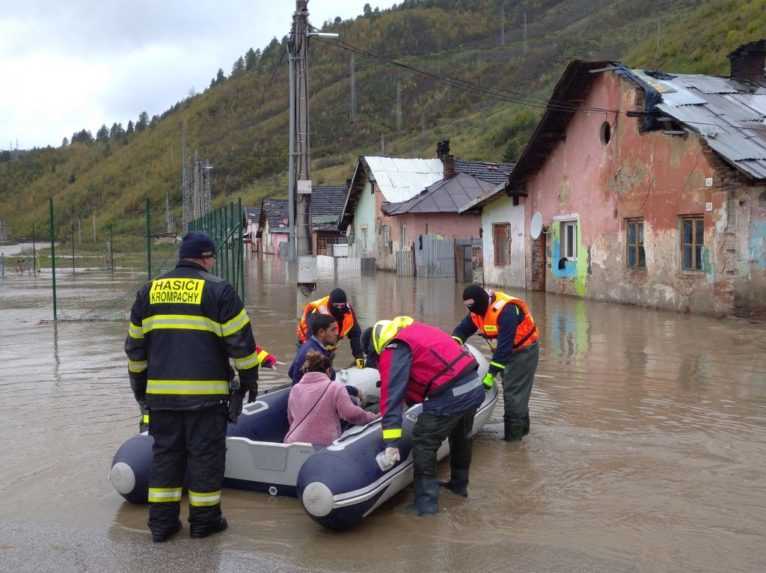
402	179
445	196
731	118
707	84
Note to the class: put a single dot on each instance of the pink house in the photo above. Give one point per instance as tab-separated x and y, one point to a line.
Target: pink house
393	201
651	188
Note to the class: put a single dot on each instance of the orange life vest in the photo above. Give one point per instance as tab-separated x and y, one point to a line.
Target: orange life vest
526	331
321	306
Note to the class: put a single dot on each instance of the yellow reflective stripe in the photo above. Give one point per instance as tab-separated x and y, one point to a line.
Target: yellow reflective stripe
498	365
180	322
187	387
262	355
164	494
249	361
204	499
392	434
135	331
145	419
230	327
490	328
136	366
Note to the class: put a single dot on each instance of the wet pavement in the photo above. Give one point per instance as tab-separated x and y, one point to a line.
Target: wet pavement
647	450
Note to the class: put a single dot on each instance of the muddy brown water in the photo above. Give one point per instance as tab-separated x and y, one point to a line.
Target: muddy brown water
647	451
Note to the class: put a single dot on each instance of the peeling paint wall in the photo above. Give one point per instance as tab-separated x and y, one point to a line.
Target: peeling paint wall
502	210
659	178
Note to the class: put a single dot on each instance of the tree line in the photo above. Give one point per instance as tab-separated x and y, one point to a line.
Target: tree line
117	133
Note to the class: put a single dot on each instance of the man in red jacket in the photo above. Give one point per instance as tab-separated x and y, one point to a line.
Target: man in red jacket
419	363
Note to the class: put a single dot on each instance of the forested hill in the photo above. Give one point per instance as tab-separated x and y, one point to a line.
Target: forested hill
240	122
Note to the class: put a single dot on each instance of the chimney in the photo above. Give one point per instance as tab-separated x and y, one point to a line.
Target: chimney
448	161
748	62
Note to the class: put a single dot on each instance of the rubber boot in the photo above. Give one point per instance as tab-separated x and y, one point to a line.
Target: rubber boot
458	483
426	496
514	431
162	536
200	531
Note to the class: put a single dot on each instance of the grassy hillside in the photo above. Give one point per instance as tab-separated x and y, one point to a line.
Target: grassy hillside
698	41
240	125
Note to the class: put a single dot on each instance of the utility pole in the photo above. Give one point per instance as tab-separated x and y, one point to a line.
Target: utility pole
186	207
353	89
502	24
398	106
299	179
525	32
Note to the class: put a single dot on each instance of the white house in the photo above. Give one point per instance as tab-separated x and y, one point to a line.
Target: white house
503	242
379	180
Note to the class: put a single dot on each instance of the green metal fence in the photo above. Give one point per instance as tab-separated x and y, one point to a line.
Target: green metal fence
91	277
226	226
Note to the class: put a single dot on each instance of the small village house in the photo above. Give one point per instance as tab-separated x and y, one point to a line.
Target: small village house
651	187
272	226
393	201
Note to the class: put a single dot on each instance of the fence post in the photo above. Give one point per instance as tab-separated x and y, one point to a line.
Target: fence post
241	256
34	250
111	250
53	256
148	241
74	271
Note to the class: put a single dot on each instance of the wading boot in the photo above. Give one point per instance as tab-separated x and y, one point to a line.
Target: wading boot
162	536
458	483
426	496
200	531
514	431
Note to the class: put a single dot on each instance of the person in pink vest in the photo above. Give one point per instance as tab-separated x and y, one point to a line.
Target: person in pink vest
317	405
419	363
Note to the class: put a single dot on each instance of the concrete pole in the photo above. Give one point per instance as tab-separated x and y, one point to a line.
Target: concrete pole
525	32
353	88
502	24
291	164
300	140
398	105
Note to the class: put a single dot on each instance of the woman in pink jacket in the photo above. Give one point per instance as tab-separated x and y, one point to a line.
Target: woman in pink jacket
317	405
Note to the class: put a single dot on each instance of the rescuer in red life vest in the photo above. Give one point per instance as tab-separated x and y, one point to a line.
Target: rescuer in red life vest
419	363
507	320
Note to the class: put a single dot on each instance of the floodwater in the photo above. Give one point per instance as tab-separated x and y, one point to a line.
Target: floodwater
647	450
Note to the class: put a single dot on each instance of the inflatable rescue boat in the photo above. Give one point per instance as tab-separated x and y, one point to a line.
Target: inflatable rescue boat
338	485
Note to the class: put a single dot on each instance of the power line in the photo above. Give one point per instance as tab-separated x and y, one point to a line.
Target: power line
506	96
465	85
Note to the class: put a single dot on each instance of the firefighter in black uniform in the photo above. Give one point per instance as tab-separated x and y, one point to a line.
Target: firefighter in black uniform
184	328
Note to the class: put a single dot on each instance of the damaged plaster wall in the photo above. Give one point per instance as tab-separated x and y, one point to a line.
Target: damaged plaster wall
658	178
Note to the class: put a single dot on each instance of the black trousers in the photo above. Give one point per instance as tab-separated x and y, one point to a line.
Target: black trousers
189	449
429	433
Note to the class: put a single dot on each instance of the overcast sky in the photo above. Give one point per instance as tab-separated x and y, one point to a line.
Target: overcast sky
66	65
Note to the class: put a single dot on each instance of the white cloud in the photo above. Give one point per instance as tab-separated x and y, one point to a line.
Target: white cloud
78	64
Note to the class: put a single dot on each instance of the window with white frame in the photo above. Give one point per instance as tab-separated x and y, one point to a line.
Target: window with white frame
569	240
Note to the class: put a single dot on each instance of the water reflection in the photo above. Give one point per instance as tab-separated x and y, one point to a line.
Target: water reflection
647	447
